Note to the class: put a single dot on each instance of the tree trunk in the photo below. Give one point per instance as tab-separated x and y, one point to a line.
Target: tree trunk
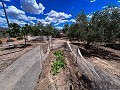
25	41
5	13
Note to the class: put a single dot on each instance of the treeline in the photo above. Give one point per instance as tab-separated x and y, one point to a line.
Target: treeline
39	29
102	27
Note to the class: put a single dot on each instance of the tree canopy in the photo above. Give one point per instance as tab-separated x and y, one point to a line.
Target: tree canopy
104	26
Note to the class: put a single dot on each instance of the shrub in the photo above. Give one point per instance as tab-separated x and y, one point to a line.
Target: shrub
19	38
59	63
10	40
58	53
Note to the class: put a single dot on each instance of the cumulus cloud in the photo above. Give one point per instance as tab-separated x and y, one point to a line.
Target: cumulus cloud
1	4
3	22
61	21
60	28
64	21
2	13
21	23
31	23
31	18
54	16
104	7
119	1
7	0
73	20
92	1
43	21
31	6
15	16
15	13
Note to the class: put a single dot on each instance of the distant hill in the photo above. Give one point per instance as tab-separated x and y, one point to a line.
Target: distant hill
3	29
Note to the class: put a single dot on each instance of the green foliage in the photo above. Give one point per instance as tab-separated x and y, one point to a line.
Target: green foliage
10	40
19	38
58	53
104	26
59	63
65	29
14	30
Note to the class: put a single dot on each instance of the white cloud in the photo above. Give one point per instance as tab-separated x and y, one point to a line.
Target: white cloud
31	6
21	23
104	7
2	5
31	23
119	1
64	21
60	28
2	13
61	21
73	20
12	11
3	22
54	16
15	13
6	0
31	18
44	22
92	1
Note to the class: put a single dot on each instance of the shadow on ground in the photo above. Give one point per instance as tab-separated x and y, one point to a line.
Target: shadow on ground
97	52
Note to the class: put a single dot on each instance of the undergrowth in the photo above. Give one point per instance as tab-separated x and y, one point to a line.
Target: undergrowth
59	63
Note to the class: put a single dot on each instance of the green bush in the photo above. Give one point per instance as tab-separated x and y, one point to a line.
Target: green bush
19	38
0	41
58	53
59	63
10	40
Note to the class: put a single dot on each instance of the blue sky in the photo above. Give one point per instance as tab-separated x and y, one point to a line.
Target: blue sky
57	12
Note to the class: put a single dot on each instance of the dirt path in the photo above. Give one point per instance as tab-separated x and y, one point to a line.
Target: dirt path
48	81
69	78
73	77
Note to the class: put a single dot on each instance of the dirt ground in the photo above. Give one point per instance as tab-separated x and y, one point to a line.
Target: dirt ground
70	78
8	56
103	57
67	79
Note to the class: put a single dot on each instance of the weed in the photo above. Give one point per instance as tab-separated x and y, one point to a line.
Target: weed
10	40
59	63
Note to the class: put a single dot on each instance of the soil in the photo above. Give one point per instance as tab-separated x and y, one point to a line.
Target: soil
71	78
103	57
68	78
8	56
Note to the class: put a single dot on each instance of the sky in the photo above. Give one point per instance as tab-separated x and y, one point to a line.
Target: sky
57	12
